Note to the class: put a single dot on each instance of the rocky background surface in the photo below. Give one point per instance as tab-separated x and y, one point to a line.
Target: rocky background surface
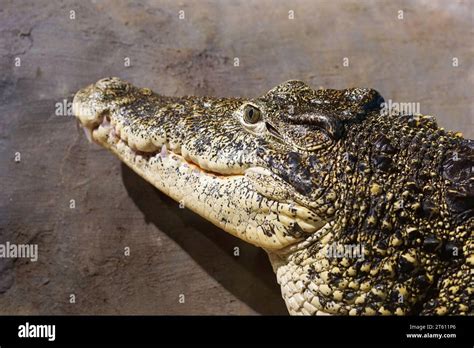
48	52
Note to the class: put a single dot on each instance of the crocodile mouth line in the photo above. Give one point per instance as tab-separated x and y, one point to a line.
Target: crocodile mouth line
108	133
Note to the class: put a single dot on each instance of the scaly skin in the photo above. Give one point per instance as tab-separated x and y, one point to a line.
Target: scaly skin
306	173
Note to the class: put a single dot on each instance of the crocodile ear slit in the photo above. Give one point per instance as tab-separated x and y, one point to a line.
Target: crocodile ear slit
273	131
330	125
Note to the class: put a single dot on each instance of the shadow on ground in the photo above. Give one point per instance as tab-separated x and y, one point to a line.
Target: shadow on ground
249	277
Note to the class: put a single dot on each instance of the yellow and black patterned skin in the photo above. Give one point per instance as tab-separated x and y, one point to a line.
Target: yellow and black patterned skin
308	174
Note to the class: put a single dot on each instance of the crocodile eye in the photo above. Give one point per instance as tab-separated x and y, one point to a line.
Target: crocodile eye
251	114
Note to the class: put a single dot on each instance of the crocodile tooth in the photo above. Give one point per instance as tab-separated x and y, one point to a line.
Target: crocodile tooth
105	122
88	133
113	134
163	152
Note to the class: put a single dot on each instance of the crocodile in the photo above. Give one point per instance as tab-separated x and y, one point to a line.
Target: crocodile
361	211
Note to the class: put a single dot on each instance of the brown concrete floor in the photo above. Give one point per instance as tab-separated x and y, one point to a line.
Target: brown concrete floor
173	251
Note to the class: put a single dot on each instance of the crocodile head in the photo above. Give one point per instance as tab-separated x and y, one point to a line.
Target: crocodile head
253	167
360	212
